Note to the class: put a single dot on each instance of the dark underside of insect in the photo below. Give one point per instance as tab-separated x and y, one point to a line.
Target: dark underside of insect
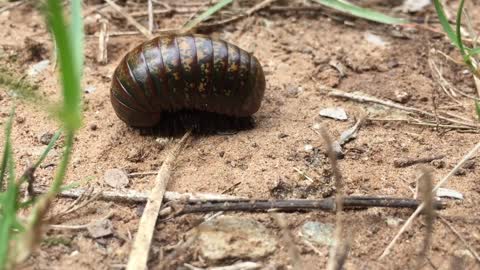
173	83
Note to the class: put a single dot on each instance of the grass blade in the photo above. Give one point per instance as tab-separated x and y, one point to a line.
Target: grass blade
361	12
5	156
70	77
47	150
8	207
205	15
466	59
473	52
444	22
76	31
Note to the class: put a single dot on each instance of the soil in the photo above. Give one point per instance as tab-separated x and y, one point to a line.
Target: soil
300	51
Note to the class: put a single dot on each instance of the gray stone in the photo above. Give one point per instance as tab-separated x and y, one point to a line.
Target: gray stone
116	178
318	233
100	228
335	113
234	237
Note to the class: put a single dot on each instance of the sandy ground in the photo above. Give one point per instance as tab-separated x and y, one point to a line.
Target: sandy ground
298	51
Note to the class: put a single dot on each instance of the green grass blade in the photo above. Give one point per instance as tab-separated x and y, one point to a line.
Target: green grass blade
444	22
205	15
70	77
76	32
8	210
5	156
466	59
473	52
361	12
47	150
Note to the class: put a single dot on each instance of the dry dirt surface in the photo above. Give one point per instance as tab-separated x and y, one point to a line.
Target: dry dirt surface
302	52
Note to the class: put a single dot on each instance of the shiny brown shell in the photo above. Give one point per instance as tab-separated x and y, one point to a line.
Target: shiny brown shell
186	72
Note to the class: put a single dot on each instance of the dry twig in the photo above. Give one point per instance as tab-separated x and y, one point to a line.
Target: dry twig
130	19
338	252
141	246
428	198
363	98
141	197
102	56
422	206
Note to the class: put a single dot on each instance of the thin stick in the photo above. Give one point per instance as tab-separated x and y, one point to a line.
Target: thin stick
457	234
363	98
141	246
78	227
102	56
295	205
130	19
141	197
337	255
420	208
11	5
427	196
150	17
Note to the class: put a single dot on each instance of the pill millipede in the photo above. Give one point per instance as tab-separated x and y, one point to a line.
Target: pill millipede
177	82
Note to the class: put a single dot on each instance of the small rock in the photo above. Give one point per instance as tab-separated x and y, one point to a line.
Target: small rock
37	68
464	254
401	96
460	172
414	5
335	113
234	237
20	120
449	193
316	126
162	142
328	77
45	138
90	89
136	155
100	228
318	233
282	135
116	178
308	148
375	40
438	163
293	90
393	221
93	127
469	165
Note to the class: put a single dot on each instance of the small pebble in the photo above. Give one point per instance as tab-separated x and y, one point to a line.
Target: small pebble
293	90
90	89
282	135
100	228
45	138
318	233
438	163
308	148
20	120
335	113
116	178
401	96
